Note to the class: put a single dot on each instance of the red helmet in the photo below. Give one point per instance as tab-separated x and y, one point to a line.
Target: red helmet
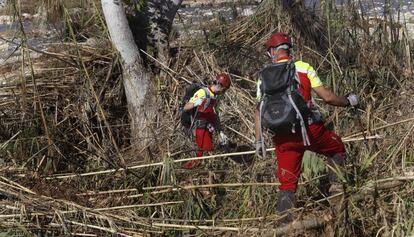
224	80
277	39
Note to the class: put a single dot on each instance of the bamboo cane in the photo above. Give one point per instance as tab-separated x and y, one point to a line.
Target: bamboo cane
112	231
4	144
250	219
398	148
204	227
138	205
175	161
378	128
171	188
18	186
83	234
304	224
166	67
153	165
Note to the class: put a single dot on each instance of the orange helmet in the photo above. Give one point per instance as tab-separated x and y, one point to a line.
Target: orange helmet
224	80
277	39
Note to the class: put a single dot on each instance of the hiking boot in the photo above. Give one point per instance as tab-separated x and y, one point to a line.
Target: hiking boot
191	164
336	195
285	201
336	188
337	163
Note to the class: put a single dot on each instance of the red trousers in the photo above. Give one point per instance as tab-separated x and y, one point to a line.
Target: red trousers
204	142
290	150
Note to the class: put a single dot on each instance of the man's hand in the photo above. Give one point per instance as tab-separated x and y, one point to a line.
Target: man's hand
353	100
223	139
260	149
198	102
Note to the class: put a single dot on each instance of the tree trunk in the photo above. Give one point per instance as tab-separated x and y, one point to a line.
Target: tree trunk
138	87
161	15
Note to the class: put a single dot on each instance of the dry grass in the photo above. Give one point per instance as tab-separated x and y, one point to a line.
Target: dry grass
56	108
32	6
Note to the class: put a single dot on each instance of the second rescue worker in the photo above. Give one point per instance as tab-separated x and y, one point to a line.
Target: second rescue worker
206	120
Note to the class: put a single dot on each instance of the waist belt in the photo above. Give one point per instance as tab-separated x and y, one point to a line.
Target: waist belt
204	124
199	123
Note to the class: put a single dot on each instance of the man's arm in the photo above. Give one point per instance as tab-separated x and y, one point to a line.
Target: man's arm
189	106
331	98
196	100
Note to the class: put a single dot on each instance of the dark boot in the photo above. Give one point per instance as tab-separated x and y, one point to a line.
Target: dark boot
323	188
336	187
337	163
285	201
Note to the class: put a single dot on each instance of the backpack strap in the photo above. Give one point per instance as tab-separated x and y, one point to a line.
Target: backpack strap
261	127
208	98
293	76
303	129
194	118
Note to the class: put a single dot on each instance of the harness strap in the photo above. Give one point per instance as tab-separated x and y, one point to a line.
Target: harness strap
199	123
208	98
305	136
295	77
261	129
206	104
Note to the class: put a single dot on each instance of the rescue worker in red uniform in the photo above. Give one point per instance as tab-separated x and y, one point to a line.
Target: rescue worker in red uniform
206	120
290	148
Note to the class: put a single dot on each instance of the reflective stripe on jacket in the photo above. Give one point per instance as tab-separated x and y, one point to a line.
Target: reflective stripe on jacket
206	111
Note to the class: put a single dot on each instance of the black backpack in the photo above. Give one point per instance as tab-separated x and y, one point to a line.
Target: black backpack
283	109
187	117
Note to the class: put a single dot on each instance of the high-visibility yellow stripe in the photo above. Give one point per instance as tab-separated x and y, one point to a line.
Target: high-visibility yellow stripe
303	67
201	93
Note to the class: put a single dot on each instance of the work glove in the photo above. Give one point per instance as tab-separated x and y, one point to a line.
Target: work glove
210	128
352	99
260	148
198	102
223	139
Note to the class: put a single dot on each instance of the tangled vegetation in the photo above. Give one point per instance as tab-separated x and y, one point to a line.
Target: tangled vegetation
68	163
